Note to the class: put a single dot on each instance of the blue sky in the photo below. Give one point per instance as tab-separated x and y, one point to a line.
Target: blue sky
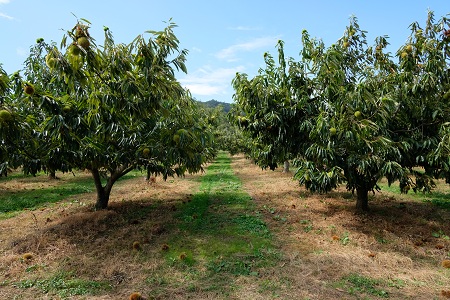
223	36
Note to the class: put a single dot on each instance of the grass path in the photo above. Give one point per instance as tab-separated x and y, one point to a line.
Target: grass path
222	240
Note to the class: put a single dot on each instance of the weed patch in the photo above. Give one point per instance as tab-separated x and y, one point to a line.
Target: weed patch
65	285
357	284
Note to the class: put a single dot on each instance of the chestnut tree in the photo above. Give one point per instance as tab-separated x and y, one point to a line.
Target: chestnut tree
113	108
353	113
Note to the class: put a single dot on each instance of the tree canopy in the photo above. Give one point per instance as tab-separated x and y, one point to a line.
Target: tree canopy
352	112
108	109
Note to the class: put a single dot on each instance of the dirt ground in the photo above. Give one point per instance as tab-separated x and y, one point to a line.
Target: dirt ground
321	237
326	239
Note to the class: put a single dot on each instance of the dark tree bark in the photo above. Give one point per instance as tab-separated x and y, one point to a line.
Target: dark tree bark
362	199
149	174
52	174
103	192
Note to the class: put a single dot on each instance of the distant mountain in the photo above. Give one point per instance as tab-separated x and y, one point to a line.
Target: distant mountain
214	103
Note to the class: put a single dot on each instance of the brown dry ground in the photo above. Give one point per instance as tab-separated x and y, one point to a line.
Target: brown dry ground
325	239
320	237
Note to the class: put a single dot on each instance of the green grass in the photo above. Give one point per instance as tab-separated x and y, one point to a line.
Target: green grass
221	233
33	198
13	201
65	285
356	284
438	198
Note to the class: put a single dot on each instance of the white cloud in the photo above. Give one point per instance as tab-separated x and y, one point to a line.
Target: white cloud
230	53
207	81
244	28
5	16
204	89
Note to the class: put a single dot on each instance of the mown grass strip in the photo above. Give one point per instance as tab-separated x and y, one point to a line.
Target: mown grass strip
34	198
221	235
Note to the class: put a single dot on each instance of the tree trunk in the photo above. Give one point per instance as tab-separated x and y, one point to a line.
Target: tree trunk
286	166
362	200
102	198
102	191
149	173
52	174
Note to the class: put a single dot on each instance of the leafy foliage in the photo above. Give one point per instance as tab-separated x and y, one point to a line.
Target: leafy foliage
271	107
349	113
109	109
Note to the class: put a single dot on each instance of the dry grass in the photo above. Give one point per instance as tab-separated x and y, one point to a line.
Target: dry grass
326	239
97	244
321	238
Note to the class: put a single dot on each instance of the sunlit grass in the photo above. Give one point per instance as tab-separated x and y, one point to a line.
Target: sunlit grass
221	233
42	192
356	284
440	196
